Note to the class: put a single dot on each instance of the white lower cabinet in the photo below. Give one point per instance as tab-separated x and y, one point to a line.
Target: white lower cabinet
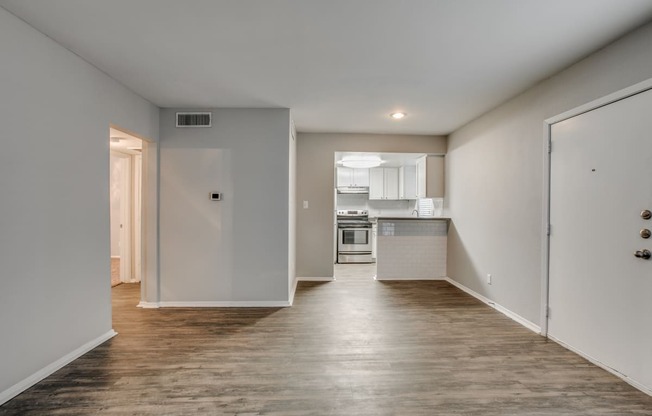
383	183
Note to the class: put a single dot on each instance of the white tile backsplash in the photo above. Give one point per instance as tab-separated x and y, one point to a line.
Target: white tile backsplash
352	201
378	208
390	208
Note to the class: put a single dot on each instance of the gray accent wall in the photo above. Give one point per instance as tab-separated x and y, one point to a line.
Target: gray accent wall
55	112
494	175
315	184
236	249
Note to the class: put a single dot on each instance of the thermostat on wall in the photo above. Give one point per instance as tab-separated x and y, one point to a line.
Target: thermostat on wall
215	196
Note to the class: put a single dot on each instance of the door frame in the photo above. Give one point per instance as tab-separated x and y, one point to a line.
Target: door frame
148	268
126	215
545	223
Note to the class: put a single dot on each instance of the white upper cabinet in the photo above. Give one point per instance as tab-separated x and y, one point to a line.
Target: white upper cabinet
391	183
421	177
360	177
376	183
407	182
344	176
352	177
383	183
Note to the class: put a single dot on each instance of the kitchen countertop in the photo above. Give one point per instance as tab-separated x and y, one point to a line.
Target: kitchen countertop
412	218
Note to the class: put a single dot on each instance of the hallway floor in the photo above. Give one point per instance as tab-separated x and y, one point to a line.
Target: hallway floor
115	271
348	347
351	272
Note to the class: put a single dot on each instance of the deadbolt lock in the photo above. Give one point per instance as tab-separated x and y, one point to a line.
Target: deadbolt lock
646	214
645	233
643	254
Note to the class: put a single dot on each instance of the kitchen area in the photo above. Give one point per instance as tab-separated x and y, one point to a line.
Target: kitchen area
389	219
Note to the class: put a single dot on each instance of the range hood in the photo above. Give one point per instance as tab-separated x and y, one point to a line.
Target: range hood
353	190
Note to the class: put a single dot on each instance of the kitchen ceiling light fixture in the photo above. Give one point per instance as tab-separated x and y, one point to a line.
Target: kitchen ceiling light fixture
361	161
398	115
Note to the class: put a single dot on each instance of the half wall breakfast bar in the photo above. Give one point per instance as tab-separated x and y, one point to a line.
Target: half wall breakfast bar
411	248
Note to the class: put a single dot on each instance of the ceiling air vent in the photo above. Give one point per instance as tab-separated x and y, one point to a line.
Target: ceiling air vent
194	119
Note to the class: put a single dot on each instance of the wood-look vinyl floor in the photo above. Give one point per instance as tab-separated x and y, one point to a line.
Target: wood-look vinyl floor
347	347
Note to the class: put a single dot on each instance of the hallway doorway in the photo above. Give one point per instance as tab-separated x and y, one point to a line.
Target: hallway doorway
125	200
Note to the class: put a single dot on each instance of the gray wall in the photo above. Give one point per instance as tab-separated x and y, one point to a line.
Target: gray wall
235	249
55	111
494	174
315	184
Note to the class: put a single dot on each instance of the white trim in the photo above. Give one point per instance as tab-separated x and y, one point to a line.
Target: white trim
226	304
601	102
380	279
545	223
547	137
148	305
137	214
315	279
618	374
512	315
126	187
293	290
23	385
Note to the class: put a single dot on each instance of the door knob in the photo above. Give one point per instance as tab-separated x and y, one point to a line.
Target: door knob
645	233
646	214
643	254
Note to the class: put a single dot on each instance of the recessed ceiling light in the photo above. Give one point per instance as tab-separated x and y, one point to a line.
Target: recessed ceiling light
398	115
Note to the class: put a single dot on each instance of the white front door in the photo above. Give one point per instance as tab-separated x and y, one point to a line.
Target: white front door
600	294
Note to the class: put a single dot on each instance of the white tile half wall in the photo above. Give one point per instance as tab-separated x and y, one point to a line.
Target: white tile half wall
412	249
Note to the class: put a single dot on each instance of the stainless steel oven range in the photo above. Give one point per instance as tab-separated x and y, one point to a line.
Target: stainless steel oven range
353	236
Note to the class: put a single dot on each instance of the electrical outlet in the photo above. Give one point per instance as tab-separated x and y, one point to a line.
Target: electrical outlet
489	278
305	204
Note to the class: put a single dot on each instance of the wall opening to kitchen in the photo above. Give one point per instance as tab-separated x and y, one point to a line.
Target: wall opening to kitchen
369	185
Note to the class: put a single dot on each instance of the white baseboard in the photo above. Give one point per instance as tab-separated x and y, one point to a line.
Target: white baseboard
645	389
226	304
315	279
23	385
516	317
408	278
148	305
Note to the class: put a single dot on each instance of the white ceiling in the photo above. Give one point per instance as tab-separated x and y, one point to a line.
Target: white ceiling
340	65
